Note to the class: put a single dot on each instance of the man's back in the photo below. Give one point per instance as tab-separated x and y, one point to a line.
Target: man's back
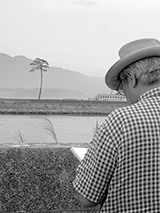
135	185
122	167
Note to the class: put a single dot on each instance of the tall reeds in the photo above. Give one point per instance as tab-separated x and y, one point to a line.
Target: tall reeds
50	129
96	127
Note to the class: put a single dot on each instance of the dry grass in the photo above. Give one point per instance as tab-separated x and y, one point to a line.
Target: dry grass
50	129
19	137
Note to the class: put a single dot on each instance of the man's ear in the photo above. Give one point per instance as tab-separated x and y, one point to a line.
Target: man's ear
132	79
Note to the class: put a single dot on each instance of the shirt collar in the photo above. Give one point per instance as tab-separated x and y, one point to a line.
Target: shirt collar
151	93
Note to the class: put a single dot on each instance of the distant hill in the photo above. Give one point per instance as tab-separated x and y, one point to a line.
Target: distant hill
16	81
46	93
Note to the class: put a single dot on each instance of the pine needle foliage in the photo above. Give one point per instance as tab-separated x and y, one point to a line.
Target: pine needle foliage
42	65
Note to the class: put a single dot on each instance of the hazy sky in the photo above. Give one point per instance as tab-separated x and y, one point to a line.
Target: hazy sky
80	35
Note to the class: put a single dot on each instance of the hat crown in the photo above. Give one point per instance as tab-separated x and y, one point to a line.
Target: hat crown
136	46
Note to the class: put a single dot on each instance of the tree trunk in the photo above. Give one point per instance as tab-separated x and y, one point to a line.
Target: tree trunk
40	89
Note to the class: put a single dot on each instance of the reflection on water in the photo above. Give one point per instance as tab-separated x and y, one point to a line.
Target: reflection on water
47	129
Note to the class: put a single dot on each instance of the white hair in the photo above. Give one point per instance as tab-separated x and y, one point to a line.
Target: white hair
146	71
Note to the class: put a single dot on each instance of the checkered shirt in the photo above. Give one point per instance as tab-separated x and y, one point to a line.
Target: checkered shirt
122	165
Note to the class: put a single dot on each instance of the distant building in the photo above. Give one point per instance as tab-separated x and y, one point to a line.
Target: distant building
109	97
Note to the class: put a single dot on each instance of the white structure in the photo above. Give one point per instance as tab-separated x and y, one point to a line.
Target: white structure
109	97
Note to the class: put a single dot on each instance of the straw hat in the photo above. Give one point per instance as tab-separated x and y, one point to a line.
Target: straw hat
129	53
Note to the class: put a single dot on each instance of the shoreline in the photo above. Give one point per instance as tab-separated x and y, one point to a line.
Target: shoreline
44	145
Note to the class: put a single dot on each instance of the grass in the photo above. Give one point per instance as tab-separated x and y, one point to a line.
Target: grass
19	137
50	129
96	127
38	180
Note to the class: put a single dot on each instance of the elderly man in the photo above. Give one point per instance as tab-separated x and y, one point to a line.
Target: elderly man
121	169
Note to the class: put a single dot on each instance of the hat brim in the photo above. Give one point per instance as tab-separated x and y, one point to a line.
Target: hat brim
111	77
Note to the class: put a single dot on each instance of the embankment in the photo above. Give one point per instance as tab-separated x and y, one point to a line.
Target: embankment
65	106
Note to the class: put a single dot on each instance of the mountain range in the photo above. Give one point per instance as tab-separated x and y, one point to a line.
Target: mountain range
17	82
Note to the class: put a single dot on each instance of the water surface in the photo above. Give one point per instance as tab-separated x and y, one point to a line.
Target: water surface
40	129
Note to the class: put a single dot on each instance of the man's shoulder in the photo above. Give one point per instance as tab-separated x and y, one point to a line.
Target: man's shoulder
123	112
